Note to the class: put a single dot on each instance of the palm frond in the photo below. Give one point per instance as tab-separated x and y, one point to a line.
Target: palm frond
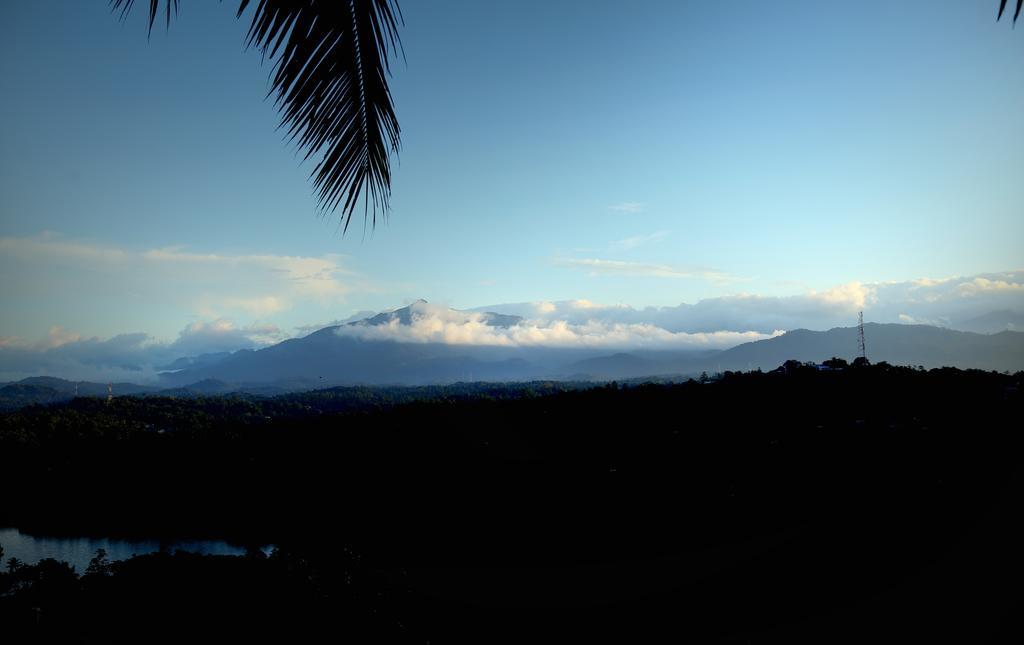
1016	14
125	6
330	82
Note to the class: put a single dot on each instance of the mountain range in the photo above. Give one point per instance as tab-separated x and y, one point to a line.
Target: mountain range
351	354
897	344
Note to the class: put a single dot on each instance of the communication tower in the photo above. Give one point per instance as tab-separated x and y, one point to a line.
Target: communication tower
860	336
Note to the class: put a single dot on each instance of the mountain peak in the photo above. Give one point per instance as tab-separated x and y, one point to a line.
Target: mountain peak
419	309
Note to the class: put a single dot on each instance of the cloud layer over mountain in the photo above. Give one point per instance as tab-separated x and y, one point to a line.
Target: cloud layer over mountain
960	303
983	303
133	357
437	324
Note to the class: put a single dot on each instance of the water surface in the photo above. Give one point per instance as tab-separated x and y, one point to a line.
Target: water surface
77	551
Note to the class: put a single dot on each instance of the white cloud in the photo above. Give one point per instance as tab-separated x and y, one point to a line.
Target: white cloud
953	302
305	276
985	303
630	243
911	320
51	245
627	207
988	302
135	357
437	324
209	285
982	285
259	306
58	336
55	337
583	304
596	266
851	297
222	335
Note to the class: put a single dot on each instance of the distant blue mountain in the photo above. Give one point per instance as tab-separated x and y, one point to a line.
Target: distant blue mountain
328	358
894	343
917	345
203	360
994	321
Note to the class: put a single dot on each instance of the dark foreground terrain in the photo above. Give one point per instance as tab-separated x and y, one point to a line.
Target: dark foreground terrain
864	505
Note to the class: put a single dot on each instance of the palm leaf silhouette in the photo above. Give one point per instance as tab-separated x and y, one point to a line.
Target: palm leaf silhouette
330	78
1002	8
330	83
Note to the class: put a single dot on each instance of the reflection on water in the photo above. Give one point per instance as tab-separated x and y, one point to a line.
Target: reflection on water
78	551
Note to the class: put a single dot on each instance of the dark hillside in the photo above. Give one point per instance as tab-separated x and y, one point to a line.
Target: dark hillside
764	506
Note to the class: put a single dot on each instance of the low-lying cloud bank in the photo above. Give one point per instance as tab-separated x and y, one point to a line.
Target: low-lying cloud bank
437	324
135	357
985	303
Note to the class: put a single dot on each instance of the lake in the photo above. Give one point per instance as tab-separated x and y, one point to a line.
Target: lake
77	551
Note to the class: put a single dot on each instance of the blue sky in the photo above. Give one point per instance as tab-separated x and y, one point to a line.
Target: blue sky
641	154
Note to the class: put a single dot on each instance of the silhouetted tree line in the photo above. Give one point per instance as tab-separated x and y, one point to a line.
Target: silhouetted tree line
763	506
176	597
